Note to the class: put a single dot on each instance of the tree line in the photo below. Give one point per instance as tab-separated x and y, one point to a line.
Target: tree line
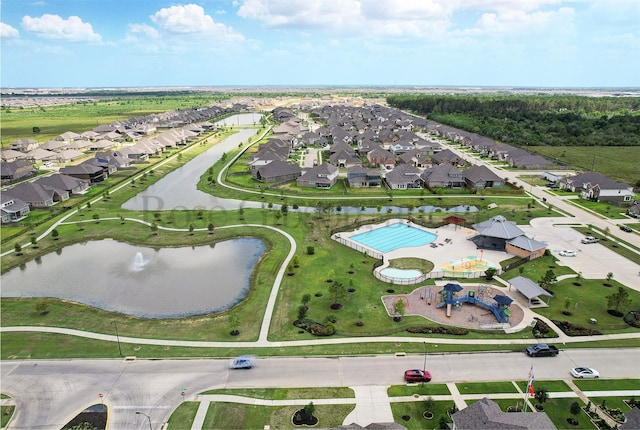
522	120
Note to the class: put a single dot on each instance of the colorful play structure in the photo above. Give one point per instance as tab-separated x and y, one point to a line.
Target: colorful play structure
499	308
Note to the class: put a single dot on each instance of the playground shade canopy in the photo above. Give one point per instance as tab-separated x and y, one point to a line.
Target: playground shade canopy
451	287
528	288
502	299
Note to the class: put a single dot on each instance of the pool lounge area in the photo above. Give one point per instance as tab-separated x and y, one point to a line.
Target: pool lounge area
398	238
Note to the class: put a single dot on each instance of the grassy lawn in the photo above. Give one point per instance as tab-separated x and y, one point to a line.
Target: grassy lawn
537	268
423	390
607	384
589	300
619	163
240	416
288	393
414	410
550	386
7	413
606	210
558	412
486	387
183	416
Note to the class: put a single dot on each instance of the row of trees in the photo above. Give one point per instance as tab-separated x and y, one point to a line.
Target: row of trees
520	120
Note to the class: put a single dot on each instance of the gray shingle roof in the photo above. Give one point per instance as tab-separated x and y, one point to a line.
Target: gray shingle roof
499	227
486	414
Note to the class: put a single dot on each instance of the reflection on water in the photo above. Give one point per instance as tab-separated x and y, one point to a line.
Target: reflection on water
145	282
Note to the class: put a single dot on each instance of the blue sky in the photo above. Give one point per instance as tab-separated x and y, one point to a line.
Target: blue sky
115	43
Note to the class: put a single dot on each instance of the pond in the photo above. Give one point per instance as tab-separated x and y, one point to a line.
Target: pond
139	281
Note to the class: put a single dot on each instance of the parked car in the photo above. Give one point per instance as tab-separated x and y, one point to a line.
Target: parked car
626	228
242	362
417	375
542	350
589	239
567	253
585	372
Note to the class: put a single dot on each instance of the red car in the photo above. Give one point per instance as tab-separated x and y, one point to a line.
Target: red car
417	375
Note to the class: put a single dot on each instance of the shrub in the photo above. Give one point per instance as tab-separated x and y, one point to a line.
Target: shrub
457	331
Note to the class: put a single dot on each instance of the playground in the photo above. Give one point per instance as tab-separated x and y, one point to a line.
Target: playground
467	265
478	313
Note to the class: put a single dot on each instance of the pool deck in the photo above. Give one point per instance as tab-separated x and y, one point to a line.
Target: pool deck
451	244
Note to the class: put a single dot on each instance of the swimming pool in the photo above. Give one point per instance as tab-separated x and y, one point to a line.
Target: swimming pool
394	236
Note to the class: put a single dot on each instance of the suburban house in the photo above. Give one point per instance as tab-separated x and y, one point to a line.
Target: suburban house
404	177
485	414
495	233
16	170
36	195
69	155
530	161
447	156
277	171
482	177
24	145
12	209
524	247
344	159
114	158
617	193
379	157
54	145
64	184
362	177
85	171
323	176
12	155
443	176
40	154
634	209
420	158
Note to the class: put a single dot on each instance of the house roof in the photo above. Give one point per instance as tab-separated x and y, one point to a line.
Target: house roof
31	192
523	242
499	227
486	414
527	287
60	181
479	172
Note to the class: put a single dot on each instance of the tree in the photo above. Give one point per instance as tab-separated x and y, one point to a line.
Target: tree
568	301
302	312
55	234
154	228
35	129
210	228
311	250
574	410
338	293
399	307
234	323
619	299
609	276
548	280
42	306
191	228
17	248
490	273
306	299
541	396
309	409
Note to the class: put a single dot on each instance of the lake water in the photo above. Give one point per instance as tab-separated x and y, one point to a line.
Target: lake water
139	281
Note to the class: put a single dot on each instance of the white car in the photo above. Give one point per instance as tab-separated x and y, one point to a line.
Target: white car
585	372
567	253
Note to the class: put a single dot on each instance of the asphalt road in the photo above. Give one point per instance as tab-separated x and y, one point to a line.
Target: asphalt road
49	393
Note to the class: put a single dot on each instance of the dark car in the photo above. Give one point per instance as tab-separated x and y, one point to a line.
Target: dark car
626	228
542	350
417	375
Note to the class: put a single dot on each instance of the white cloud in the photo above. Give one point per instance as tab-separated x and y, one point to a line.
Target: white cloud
55	27
519	21
309	13
142	29
191	18
8	32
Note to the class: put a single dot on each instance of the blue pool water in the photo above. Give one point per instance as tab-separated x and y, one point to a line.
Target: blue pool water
394	236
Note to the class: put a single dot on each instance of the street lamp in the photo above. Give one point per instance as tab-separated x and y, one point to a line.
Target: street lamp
117	337
148	418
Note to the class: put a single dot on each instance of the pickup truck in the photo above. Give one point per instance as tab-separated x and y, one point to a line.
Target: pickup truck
589	239
542	350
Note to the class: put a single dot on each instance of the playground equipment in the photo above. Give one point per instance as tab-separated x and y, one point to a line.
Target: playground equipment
499	308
